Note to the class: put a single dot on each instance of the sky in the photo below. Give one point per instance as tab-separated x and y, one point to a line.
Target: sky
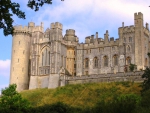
86	17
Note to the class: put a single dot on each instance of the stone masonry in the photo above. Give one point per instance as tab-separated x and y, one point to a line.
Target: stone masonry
40	58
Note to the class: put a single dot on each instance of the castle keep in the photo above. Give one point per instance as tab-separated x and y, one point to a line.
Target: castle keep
39	58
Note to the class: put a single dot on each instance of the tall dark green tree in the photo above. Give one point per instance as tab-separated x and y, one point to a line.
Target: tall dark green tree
9	8
12	102
146	82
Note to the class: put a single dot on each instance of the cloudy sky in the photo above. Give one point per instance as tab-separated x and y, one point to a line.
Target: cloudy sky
85	16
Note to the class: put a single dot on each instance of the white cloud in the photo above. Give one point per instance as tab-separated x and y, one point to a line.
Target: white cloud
4	68
90	16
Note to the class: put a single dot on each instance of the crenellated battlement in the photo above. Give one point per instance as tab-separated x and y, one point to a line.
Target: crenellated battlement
22	29
70	32
28	29
56	25
126	29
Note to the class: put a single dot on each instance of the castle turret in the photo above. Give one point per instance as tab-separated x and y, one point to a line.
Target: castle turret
106	37
19	74
55	59
139	40
70	35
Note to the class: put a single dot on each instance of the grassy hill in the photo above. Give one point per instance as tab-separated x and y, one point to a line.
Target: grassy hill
81	95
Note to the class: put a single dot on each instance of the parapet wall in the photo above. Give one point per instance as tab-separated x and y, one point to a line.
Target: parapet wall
56	25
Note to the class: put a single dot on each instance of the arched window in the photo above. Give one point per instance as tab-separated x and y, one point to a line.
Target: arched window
46	57
130	39
49	57
128	48
95	62
115	59
146	62
42	58
86	63
128	60
124	39
105	61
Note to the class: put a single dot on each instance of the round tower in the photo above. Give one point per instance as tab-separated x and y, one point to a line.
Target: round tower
19	73
70	35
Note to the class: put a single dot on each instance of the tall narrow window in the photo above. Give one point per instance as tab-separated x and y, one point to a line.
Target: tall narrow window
124	39
115	60
86	63
146	62
96	62
105	61
49	57
130	39
42	58
128	48
46	57
128	60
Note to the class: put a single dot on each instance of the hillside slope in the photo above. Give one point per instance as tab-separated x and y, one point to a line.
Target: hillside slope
80	95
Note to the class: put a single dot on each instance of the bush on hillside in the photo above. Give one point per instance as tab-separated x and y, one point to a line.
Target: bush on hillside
12	102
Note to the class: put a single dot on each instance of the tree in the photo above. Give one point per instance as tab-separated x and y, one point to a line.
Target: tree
12	102
132	67
146	82
8	9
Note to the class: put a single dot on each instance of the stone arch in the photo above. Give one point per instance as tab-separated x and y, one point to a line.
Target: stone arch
45	56
105	59
128	48
115	59
128	60
86	62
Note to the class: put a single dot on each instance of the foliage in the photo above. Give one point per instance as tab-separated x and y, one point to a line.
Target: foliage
9	8
132	67
35	4
12	102
148	54
58	107
123	104
146	82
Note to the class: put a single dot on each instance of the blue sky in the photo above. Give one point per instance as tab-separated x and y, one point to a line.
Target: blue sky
85	16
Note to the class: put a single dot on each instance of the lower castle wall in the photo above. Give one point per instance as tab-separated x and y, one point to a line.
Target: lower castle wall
38	82
110	77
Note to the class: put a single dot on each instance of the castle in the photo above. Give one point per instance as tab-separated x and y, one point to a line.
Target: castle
39	58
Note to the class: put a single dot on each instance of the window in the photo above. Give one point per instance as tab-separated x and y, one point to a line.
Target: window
42	58
105	61
46	57
115	60
19	42
124	39
86	72
86	51
86	63
128	48
49	57
146	62
130	39
95	62
18	60
128	60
